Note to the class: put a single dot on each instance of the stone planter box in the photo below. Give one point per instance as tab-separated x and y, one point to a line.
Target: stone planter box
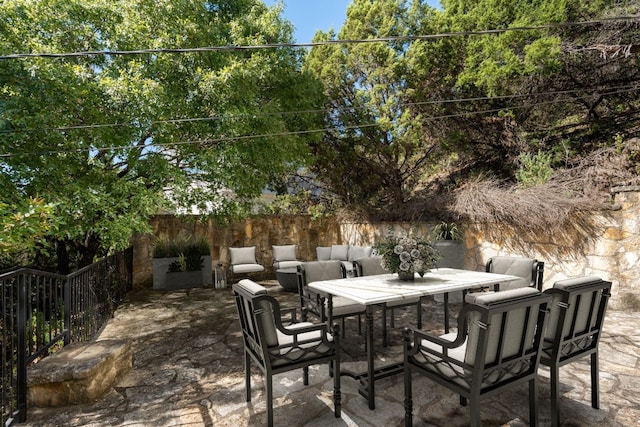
183	280
452	252
161	268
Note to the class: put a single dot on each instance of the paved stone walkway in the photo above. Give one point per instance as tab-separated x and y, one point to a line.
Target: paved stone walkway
188	372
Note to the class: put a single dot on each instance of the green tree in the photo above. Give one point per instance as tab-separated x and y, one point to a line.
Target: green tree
376	152
551	89
101	136
413	120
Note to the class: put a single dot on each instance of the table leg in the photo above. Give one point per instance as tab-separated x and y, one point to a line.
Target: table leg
371	380
446	312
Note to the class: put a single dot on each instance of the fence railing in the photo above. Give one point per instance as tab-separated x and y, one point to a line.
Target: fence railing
42	312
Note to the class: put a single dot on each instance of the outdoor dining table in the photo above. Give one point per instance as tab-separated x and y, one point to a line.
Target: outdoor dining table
375	290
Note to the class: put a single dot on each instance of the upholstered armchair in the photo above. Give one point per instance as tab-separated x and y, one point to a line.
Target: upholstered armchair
497	346
276	348
325	307
575	323
284	256
243	260
371	266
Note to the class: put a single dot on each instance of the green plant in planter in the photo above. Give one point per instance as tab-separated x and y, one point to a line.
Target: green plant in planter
447	231
181	245
191	260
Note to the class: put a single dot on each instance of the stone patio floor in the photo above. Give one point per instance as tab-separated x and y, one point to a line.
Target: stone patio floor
188	372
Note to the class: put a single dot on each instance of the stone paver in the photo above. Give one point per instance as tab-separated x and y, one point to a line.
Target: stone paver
188	372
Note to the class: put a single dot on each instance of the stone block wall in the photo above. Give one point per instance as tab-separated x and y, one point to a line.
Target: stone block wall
606	243
262	232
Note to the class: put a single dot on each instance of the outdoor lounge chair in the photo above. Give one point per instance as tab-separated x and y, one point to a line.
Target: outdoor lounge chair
317	303
277	348
284	256
575	325
371	266
497	346
243	261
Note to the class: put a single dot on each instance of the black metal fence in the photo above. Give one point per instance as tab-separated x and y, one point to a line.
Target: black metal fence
42	312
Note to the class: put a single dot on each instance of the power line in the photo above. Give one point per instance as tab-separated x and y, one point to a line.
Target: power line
388	39
293	133
622	89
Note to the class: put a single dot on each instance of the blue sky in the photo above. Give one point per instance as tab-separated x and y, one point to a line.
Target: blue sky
309	16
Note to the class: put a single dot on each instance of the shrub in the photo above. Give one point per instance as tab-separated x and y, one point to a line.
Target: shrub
174	247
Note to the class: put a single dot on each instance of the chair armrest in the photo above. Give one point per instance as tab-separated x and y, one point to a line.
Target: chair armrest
419	335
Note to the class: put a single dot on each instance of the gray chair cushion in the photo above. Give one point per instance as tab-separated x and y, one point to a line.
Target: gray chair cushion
266	317
371	266
315	271
515	326
284	253
286	264
346	307
323	253
339	252
246	255
521	267
357	252
246	268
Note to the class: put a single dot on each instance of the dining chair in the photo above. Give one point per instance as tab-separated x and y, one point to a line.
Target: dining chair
325	307
497	346
578	307
371	266
529	270
276	348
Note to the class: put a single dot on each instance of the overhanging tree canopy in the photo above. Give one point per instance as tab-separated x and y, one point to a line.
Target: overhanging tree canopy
101	136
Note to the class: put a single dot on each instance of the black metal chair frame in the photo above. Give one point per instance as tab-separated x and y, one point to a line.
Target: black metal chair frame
359	271
276	359
480	380
577	341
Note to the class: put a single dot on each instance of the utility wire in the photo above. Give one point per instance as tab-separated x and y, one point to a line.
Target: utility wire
168	145
622	89
313	44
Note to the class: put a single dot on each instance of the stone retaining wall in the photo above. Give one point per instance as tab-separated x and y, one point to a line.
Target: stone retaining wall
606	244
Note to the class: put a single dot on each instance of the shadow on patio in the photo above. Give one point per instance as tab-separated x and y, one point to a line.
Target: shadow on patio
188	372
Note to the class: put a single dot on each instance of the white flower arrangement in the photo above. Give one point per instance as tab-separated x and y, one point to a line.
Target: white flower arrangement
407	255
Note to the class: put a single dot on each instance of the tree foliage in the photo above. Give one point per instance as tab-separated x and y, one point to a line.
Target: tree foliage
414	120
377	150
101	136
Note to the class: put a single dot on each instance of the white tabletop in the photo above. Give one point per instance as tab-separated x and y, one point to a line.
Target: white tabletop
377	289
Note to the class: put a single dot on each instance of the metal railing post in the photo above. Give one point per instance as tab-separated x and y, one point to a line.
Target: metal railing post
21	374
66	291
